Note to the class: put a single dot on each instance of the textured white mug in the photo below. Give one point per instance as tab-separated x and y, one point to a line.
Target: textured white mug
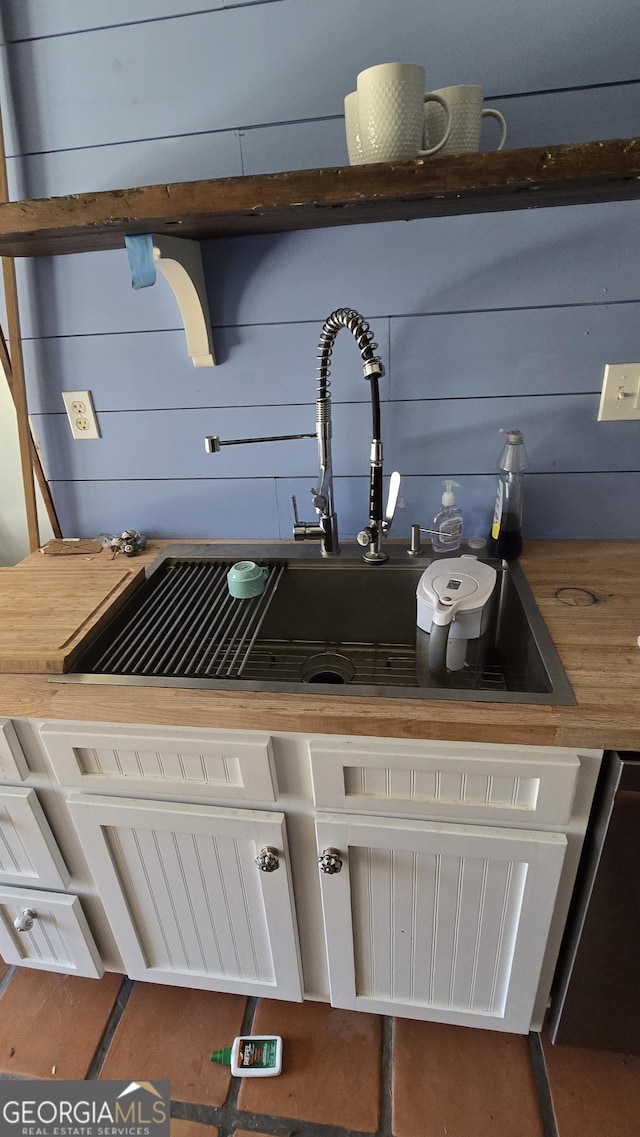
466	109
390	103
352	128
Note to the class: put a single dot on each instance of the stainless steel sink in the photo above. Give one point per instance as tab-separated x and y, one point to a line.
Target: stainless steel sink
335	626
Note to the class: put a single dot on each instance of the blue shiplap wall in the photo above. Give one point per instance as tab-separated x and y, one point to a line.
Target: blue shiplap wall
483	322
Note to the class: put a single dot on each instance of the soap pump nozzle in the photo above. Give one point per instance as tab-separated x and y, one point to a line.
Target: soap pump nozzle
448	497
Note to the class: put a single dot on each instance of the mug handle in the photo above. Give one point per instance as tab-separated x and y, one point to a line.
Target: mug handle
431	98
490	113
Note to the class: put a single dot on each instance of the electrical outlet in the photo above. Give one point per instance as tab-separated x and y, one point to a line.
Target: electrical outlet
620	399
81	414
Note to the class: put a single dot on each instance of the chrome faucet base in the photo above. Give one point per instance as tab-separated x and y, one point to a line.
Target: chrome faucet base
373	557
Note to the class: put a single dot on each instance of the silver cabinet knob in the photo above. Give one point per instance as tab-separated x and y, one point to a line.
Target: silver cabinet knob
24	920
267	859
330	861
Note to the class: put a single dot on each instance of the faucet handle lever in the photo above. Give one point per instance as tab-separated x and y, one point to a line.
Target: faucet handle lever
392	501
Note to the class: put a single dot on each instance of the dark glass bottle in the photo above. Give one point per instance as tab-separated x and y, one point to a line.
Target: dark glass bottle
505	538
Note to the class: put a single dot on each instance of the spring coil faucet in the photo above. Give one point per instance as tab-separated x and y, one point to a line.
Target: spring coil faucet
325	529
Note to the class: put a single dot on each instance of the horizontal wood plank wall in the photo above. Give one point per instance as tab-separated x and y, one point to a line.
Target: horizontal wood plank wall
482	322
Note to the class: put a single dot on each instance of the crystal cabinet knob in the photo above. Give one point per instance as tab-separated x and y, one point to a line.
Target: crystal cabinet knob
24	920
267	859
330	861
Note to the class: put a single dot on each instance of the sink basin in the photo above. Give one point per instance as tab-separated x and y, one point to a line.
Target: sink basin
335	626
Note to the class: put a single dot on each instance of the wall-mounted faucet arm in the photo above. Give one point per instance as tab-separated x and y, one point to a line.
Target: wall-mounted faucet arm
212	443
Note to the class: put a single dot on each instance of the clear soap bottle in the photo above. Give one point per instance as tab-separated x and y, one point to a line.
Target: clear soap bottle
446	527
505	539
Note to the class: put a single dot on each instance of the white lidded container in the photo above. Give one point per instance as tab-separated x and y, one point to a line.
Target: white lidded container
455	593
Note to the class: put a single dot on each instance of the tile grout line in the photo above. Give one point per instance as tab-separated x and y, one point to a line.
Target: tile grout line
543	1089
98	1060
236	1083
4	983
386	1077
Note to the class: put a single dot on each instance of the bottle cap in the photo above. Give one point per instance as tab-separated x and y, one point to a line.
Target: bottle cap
222	1056
514	436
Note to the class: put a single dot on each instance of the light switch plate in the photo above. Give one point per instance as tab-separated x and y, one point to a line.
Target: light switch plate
81	414
620	399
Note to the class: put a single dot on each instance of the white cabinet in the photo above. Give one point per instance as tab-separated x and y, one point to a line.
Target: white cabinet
202	763
519	785
28	850
187	903
47	931
458	863
438	921
13	765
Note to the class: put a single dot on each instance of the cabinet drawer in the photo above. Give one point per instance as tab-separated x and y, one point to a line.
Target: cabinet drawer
59	938
517	784
28	850
194	762
13	764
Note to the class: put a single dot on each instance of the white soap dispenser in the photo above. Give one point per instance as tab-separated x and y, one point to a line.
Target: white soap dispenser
446	527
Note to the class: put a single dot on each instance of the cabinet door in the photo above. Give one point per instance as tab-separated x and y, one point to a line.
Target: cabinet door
437	921
28	850
54	933
186	902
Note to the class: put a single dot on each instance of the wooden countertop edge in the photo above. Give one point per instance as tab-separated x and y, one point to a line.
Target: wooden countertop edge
607	714
34	696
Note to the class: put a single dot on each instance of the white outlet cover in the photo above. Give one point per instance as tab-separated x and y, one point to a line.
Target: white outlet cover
620	399
81	414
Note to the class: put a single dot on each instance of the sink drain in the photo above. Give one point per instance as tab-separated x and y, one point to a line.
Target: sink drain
327	667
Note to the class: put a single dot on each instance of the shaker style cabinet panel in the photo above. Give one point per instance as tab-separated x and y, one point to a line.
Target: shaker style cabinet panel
197	763
13	764
186	901
28	850
436	921
47	931
519	785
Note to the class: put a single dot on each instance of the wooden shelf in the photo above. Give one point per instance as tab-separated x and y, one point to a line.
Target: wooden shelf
312	199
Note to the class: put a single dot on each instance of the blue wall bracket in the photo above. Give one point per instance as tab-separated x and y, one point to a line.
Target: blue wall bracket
180	262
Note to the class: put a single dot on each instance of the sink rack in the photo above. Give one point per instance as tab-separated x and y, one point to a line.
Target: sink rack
183	623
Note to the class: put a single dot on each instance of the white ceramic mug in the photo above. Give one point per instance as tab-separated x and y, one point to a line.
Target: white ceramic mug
352	128
390	102
465	105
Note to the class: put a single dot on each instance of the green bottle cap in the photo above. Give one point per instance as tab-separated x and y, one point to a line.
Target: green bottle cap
222	1056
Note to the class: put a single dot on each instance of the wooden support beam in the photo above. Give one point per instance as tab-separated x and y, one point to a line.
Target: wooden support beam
5	363
18	389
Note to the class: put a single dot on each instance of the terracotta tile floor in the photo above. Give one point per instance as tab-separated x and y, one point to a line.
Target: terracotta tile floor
344	1073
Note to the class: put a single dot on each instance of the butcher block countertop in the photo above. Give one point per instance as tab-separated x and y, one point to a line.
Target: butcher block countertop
587	591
